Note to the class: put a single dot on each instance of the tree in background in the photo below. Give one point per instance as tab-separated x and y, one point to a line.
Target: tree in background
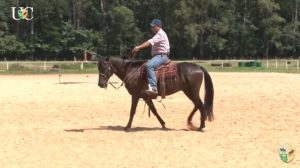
122	33
291	31
270	25
10	46
196	28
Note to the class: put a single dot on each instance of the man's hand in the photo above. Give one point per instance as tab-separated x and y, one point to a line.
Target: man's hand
135	49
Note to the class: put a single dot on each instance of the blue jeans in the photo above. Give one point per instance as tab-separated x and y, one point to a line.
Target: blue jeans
152	64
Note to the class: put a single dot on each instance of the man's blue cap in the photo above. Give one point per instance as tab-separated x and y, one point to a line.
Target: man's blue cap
156	22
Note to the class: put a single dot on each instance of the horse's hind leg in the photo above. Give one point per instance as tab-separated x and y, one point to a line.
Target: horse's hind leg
190	118
195	98
154	111
200	105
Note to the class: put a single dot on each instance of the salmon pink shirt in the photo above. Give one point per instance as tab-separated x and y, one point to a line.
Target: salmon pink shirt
160	43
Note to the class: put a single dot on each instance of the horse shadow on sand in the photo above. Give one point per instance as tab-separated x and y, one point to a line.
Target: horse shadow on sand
121	129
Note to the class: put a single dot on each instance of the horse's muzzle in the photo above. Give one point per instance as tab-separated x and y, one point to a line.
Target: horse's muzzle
102	85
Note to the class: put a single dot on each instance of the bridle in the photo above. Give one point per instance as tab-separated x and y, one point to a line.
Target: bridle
106	78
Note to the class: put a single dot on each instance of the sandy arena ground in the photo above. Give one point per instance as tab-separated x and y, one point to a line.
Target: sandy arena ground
77	124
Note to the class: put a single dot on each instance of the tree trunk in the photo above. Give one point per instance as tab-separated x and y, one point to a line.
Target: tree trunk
267	49
77	23
242	45
32	25
295	26
296	12
201	45
102	5
74	13
18	23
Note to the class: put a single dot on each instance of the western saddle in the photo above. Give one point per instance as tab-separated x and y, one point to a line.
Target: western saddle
166	70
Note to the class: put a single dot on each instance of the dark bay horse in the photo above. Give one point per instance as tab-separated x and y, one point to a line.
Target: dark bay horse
188	79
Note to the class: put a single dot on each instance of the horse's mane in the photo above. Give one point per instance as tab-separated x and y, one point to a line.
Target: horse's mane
134	63
128	61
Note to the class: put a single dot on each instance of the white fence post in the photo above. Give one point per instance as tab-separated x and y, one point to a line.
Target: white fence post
45	68
298	65
81	66
286	64
59	73
276	64
222	64
267	63
7	66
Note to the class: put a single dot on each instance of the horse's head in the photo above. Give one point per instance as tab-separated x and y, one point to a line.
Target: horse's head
105	71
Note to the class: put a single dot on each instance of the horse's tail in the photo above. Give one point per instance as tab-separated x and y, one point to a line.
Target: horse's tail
209	95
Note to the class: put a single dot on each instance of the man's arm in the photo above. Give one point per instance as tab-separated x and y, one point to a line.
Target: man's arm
144	45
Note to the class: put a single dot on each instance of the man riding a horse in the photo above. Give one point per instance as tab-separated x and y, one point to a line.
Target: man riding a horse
160	49
186	77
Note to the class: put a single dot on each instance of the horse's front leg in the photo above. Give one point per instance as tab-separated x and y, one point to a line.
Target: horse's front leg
134	102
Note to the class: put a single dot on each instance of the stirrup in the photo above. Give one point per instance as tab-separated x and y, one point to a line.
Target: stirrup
151	92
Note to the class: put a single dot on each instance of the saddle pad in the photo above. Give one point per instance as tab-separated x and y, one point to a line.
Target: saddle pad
169	70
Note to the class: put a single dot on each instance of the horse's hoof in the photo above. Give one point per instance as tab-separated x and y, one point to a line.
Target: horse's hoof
126	129
165	128
191	127
201	130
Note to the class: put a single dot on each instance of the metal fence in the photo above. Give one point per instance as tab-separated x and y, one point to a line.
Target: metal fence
258	65
79	66
46	66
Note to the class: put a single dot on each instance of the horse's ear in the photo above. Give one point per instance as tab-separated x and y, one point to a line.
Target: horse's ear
123	57
107	58
128	56
100	59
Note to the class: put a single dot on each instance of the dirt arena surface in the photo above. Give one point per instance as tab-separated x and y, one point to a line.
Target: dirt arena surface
77	124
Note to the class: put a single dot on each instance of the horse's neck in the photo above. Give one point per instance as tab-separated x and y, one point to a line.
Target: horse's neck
119	68
123	68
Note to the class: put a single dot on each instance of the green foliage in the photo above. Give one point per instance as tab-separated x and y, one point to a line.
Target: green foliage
3	20
190	33
11	47
196	28
123	33
64	38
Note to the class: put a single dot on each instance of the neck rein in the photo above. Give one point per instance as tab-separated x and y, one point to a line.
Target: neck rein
123	76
